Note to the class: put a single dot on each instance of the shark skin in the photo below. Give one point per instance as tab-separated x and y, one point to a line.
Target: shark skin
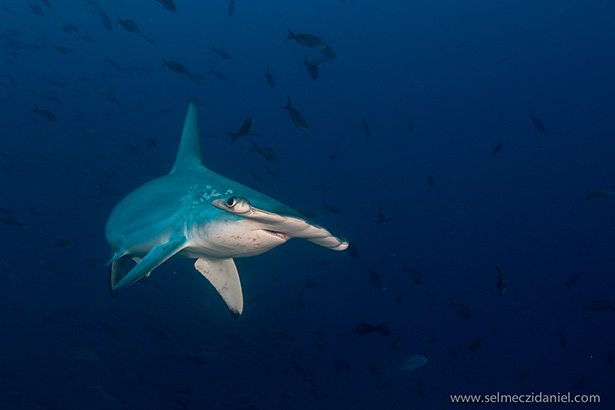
196	213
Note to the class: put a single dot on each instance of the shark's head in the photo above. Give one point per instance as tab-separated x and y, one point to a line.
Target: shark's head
254	230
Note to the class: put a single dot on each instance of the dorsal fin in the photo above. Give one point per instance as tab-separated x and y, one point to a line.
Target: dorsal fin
189	153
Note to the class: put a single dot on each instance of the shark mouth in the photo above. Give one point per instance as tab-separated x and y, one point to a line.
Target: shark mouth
277	234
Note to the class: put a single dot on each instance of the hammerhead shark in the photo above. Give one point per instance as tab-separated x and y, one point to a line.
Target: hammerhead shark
194	212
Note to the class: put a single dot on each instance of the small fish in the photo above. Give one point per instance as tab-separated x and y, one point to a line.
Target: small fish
366	128
353	251
246	128
36	9
106	21
269	77
11	221
375	279
63	50
129	25
431	339
473	346
219	75
48	115
572	280
307	40
562	338
257	177
86	38
342	366
374	369
333	154
604	193
145	94
598	306
168	4
117	66
296	116
381	218
395	343
539	125
461	309
523	376
414	363
411	126
499	284
231	8
431	182
328	53
67	28
47	4
416	275
266	153
223	54
175	66
497	149
363	329
311	67
334	209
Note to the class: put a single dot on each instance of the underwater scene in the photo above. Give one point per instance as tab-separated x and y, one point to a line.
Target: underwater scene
309	204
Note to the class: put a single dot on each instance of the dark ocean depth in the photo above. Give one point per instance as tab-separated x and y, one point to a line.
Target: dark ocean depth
466	150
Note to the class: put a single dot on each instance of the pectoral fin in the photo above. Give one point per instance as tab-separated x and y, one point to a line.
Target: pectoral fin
222	274
154	258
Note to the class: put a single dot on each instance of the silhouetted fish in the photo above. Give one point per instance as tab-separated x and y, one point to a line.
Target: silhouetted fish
598	306
461	309
48	115
375	279
497	149
129	25
311	67
431	181
473	346
328	53
366	128
168	4
604	193
381	218
218	74
562	338
245	129
539	125
63	50
223	54
334	209
353	251
572	280
231	8
416	275
296	116
307	40
269	78
499	285
363	329
266	153
411	126
333	154
175	66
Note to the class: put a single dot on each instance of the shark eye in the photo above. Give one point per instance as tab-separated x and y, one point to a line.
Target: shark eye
231	202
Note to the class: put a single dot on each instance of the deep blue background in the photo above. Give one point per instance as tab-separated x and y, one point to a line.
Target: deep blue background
468	73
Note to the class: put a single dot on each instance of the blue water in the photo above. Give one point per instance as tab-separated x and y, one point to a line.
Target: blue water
468	74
